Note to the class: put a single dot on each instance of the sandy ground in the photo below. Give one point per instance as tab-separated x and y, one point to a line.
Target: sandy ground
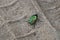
15	13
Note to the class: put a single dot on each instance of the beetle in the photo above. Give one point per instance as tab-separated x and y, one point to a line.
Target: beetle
32	20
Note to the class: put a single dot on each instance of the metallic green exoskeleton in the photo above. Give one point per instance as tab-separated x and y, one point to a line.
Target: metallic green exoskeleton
32	20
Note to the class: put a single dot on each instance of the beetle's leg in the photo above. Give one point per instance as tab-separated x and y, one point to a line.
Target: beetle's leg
34	28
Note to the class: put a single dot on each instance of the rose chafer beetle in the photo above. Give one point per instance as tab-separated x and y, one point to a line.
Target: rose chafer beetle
32	20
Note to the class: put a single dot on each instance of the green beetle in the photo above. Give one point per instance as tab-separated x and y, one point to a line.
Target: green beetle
32	20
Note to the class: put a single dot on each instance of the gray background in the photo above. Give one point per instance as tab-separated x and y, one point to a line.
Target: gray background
15	13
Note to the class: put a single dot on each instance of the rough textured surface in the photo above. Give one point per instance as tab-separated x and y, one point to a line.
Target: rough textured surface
15	13
52	11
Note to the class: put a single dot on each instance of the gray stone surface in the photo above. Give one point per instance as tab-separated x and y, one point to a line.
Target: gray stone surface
51	9
13	20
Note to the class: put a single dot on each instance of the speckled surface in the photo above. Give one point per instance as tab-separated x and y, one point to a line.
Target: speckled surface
13	20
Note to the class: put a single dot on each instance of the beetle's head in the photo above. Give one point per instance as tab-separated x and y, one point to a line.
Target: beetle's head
35	15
